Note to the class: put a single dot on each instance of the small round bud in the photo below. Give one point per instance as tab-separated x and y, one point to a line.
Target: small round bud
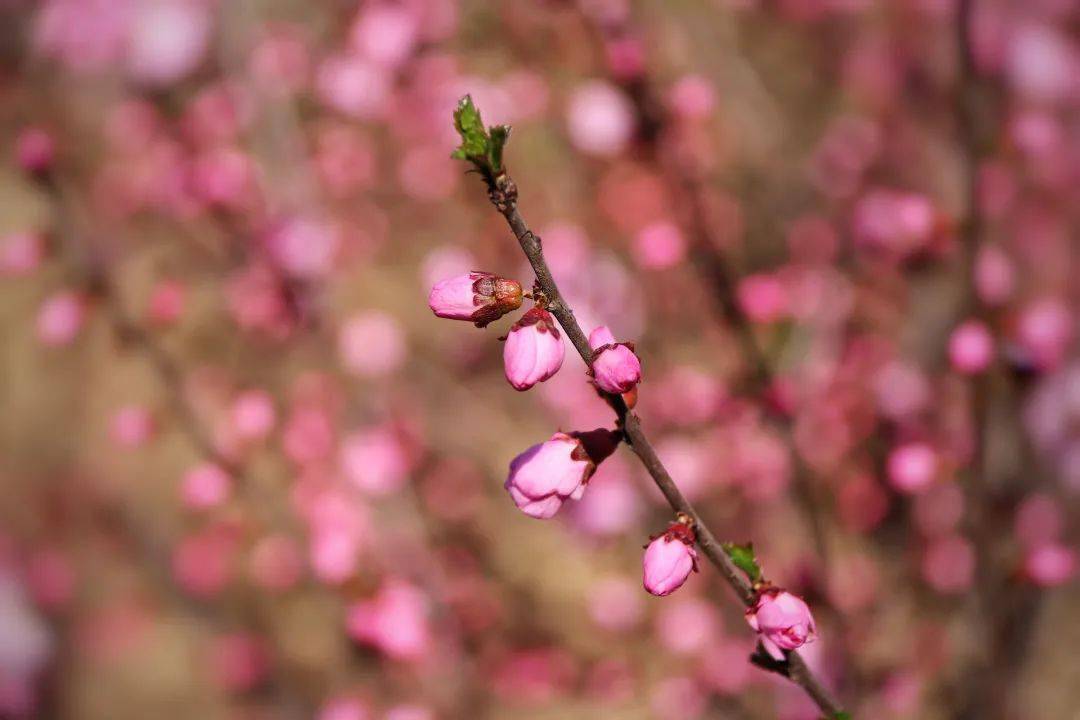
534	349
479	297
615	367
669	559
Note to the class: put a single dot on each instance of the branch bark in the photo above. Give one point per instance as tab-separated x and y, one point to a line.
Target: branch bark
503	194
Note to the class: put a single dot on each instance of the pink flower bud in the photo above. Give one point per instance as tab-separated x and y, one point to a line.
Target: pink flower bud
534	349
669	560
782	620
545	475
615	367
971	348
478	297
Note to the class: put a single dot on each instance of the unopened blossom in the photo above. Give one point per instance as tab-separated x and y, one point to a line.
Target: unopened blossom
479	297
615	367
782	621
669	559
545	475
534	349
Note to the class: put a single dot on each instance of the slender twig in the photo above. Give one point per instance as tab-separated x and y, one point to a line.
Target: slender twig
503	194
713	268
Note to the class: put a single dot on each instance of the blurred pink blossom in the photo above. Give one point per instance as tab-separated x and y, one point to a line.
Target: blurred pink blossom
948	564
131	426
35	150
167	40
1044	330
60	318
21	253
692	97
659	246
167	301
372	344
239	661
763	298
252	415
395	621
205	486
687	625
971	347
354	86
912	467
677	698
1039	520
600	119
615	604
202	563
1050	564
344	708
375	460
385	33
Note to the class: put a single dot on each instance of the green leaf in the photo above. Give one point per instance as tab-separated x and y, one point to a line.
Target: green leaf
474	139
841	716
743	557
499	135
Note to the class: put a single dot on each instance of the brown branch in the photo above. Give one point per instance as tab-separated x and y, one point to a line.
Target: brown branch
712	267
503	194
